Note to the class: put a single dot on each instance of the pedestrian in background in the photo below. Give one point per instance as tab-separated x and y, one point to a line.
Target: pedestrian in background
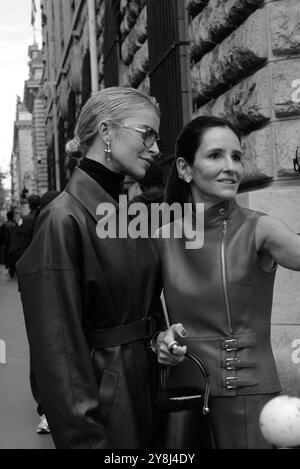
151	192
23	234
22	238
91	305
7	231
152	185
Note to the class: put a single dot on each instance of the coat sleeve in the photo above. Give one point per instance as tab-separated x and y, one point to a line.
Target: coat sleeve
49	278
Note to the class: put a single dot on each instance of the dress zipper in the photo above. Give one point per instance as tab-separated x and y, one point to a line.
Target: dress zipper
224	279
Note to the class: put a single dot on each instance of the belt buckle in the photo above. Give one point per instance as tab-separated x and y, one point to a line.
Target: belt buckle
231	345
231	363
232	382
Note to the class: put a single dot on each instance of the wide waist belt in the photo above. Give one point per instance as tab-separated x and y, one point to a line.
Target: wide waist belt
119	335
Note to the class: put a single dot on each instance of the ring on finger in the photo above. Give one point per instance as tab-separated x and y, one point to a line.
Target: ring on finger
172	346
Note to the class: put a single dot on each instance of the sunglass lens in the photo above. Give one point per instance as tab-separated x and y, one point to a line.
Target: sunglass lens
150	138
161	149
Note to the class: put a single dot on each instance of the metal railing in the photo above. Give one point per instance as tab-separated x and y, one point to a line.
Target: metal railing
165	47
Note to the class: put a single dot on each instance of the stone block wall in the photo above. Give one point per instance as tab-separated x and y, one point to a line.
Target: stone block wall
251	76
134	46
245	66
216	22
100	16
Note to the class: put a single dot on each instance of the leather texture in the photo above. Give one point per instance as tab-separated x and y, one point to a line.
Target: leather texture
72	281
195	296
232	423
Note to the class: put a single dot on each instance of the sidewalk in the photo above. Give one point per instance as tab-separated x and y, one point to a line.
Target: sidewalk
18	417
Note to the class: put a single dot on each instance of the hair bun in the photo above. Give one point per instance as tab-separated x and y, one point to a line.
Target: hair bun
73	147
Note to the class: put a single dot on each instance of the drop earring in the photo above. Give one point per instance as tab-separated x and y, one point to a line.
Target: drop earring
107	152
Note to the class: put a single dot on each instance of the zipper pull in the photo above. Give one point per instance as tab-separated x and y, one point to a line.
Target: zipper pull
224	227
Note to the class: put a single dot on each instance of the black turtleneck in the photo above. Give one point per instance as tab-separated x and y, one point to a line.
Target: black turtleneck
111	182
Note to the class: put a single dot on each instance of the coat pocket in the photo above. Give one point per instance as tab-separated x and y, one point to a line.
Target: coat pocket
107	391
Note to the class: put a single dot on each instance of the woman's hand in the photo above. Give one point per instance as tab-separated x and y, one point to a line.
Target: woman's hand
169	351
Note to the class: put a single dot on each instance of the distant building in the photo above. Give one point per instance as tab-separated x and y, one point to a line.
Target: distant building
34	100
23	174
29	166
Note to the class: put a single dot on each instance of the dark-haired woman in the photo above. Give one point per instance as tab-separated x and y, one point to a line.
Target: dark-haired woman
91	305
222	292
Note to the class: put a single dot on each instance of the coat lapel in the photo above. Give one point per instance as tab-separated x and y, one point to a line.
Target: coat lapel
88	192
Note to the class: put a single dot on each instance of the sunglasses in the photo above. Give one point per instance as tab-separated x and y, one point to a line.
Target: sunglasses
296	161
149	135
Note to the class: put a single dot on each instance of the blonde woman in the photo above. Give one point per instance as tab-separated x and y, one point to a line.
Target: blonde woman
92	304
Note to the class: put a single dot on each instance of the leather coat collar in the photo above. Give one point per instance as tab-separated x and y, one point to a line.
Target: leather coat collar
83	188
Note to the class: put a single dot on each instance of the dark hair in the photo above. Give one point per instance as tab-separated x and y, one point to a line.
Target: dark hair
33	201
10	215
186	146
47	197
153	177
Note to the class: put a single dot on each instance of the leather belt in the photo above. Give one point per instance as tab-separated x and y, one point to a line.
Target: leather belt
119	335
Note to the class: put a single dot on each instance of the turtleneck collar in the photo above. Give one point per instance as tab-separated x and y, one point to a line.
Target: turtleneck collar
111	182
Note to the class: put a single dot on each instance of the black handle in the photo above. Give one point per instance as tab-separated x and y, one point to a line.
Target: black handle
202	367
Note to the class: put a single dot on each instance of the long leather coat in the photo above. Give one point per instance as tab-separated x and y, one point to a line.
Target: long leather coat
71	282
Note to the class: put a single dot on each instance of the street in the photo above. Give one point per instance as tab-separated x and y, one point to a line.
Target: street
18	416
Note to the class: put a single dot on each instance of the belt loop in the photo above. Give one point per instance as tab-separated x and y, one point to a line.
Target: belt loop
152	326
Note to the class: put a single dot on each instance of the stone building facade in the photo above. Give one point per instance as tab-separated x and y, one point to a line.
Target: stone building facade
233	58
23	174
93	44
29	168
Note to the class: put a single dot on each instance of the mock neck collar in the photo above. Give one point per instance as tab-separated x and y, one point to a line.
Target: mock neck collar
110	181
219	212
